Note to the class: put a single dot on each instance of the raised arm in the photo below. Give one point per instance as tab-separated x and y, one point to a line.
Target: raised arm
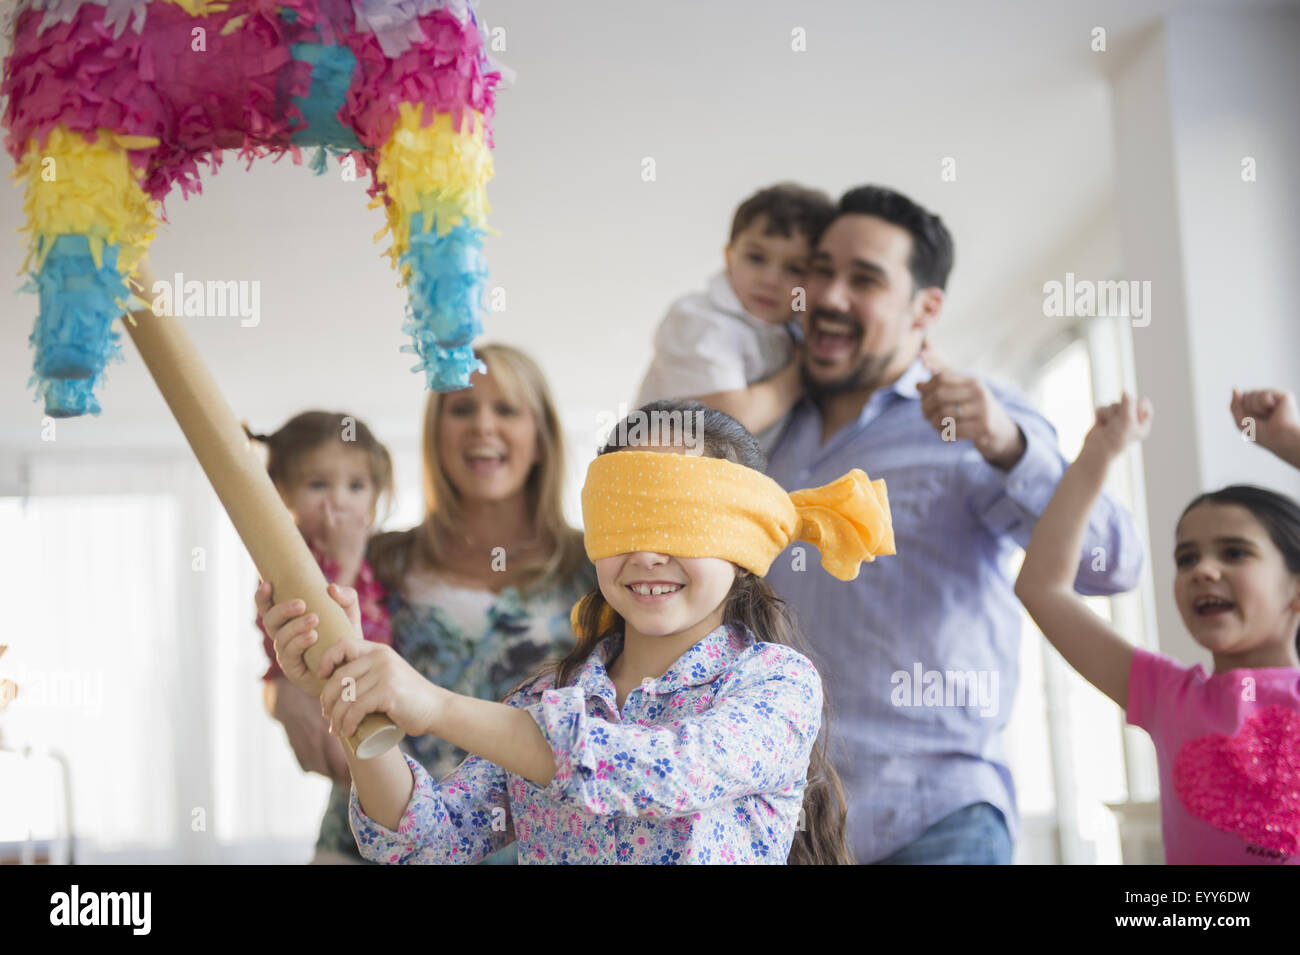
1013	501
1046	582
1017	470
1270	419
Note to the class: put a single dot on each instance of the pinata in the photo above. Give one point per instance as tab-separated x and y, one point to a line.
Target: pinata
111	104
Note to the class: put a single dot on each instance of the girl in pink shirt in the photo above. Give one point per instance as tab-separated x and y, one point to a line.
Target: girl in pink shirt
1227	742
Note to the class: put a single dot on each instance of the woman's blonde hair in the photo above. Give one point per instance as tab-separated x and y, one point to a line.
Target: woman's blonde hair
522	382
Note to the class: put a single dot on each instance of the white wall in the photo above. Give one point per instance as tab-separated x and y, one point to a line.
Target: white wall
1235	85
590	254
1193	97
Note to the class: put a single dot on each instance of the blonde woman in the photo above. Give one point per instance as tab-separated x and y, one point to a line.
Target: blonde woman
480	591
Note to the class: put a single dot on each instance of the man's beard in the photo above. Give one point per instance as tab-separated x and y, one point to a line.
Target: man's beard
866	378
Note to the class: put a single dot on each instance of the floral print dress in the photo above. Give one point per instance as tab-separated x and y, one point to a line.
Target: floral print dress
706	764
474	643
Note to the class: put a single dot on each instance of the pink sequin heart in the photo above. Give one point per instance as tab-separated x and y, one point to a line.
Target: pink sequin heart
1248	785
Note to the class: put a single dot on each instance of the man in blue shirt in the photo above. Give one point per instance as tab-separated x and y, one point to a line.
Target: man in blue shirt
920	653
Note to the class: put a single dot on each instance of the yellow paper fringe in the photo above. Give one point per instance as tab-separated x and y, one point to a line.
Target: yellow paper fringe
434	170
200	8
95	191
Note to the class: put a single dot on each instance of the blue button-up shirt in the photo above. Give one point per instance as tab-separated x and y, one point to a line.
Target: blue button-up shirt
920	653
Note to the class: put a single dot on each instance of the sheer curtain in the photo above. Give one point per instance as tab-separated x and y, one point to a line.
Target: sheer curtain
1074	761
133	645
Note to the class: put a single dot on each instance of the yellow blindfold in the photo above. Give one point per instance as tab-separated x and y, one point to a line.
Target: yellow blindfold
695	506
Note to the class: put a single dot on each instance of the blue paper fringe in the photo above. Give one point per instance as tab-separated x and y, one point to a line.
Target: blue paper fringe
73	337
448	278
68	397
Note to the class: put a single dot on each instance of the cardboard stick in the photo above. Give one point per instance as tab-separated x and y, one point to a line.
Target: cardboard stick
262	521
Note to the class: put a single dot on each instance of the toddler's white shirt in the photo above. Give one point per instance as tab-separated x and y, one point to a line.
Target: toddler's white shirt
708	342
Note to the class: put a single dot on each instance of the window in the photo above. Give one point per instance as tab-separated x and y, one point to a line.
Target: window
1070	752
138	662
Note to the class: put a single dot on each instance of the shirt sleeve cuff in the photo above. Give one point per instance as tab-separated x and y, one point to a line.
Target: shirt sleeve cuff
1033	479
381	844
1008	499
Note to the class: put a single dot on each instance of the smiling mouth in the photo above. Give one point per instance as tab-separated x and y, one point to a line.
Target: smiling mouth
485	462
832	340
654	593
1213	607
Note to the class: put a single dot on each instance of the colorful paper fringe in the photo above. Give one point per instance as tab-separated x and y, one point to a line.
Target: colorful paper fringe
110	108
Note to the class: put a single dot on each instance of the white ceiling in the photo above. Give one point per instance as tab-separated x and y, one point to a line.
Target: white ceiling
588	253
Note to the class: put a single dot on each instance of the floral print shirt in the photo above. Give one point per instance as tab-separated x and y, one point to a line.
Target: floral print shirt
706	764
483	658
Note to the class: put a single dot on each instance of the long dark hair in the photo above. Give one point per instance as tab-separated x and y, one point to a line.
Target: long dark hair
1278	513
820	839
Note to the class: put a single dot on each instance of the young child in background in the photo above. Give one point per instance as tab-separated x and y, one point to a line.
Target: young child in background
682	727
1227	742
331	473
735	346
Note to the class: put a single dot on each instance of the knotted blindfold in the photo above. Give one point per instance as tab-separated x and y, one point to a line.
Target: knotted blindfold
695	506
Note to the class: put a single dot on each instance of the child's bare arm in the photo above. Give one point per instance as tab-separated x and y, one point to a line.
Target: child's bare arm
384	785
1046	582
763	403
1269	418
502	734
